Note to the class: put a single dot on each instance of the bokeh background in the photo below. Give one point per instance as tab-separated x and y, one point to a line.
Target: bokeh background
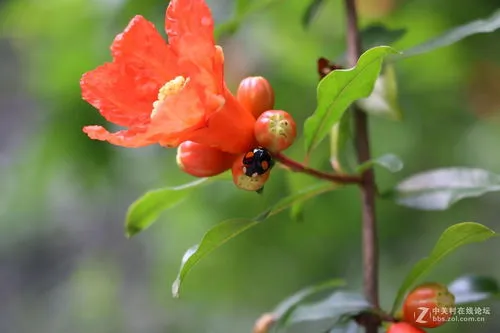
65	264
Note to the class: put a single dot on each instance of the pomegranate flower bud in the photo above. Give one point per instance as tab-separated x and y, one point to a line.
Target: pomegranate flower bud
256	95
433	296
242	178
275	130
202	161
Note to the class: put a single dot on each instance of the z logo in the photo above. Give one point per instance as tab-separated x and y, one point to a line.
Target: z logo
423	313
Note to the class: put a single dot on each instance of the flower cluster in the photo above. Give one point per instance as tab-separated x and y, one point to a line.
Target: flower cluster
174	94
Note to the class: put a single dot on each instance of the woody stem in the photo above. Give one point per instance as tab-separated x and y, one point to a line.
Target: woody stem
298	167
368	190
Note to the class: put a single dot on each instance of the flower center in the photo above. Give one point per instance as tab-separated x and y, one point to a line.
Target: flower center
170	88
279	125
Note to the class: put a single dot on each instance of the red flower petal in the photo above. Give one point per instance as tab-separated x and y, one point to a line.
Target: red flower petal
121	93
178	115
140	45
126	138
190	27
219	68
204	110
230	129
189	17
174	122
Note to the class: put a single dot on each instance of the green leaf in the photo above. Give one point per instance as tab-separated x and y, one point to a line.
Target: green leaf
214	238
474	288
311	11
283	310
146	210
440	188
388	161
451	239
454	35
383	101
339	89
336	310
227	230
341	145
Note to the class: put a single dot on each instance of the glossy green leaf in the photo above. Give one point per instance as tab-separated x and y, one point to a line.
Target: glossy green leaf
388	161
451	239
146	210
334	311
213	239
312	9
339	89
383	101
227	230
454	35
440	188
474	288
283	310
341	145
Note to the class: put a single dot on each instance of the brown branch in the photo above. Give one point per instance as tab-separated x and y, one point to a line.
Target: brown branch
298	167
368	190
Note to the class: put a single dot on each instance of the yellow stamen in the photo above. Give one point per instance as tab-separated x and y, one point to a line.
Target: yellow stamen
170	88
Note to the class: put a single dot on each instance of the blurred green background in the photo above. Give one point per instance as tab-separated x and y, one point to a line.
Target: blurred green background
65	265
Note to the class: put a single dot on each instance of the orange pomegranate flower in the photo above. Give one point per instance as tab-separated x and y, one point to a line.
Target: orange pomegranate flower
168	93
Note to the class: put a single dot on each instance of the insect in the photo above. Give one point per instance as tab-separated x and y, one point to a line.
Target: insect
257	162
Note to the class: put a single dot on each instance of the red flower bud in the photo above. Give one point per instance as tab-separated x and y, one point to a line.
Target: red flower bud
202	161
275	130
256	95
244	182
428	305
404	328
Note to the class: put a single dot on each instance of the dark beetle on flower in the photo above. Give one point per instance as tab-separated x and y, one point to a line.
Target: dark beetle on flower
257	162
